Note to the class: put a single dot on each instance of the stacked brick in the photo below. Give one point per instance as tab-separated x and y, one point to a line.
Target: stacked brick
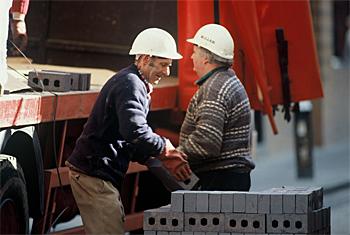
287	210
50	80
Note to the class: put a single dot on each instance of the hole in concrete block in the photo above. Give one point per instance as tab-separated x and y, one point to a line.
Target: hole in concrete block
233	223
192	221
274	223
298	224
286	223
174	222
244	223
46	82
256	224
163	221
151	221
36	80
216	221
56	83
204	221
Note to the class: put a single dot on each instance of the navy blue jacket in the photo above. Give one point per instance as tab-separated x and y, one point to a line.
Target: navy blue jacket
117	130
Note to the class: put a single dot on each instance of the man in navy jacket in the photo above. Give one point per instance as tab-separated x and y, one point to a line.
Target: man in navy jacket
117	132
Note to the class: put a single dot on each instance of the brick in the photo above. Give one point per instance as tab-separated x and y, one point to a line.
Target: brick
214	201
276	206
264	203
52	81
303	202
186	233
162	219
227	201
174	233
288	202
202	201
204	222
298	223
199	233
177	201
190	183
251	202
162	233
190	201
317	197
150	233
244	223
211	233
239	202
274	223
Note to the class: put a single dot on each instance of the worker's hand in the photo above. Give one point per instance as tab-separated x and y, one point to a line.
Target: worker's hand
19	35
176	164
169	146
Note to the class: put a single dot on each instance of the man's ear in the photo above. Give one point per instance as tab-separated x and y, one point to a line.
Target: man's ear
145	59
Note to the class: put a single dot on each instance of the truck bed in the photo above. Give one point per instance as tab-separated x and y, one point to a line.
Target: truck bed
31	107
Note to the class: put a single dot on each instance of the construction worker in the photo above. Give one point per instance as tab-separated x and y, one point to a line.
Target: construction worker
215	134
19	10
117	133
18	28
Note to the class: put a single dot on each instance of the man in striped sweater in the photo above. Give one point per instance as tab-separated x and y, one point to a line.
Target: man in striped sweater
215	134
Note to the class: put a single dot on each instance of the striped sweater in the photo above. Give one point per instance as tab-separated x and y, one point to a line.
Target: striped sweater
216	131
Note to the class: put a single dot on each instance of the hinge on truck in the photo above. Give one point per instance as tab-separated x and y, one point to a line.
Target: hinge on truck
282	46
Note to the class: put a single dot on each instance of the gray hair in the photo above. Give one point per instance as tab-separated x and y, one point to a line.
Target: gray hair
215	59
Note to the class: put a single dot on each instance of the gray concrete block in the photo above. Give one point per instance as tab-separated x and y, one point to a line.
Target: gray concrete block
227	201
303	202
239	202
190	183
204	222
251	202
288	202
150	233
244	223
211	233
199	233
186	233
274	223
276	203
214	201
174	233
190	201
162	219
317	197
298	223
202	201
162	233
50	80
177	201
263	203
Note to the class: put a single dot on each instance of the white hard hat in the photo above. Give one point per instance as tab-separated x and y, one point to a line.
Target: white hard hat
216	39
155	42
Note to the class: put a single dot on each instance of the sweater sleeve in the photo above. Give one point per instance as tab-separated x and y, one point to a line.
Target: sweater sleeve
205	129
131	105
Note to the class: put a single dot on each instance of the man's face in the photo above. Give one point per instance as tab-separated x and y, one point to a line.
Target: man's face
199	60
156	68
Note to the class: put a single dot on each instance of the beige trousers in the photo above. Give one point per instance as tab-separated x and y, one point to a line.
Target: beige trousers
99	204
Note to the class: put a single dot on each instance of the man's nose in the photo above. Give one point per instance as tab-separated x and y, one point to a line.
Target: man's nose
167	71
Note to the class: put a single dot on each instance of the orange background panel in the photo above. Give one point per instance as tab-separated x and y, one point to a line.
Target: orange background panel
191	16
303	67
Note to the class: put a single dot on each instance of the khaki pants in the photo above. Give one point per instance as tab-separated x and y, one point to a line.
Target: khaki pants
99	203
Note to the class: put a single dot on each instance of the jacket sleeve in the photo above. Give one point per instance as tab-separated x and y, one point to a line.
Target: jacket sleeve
131	105
205	138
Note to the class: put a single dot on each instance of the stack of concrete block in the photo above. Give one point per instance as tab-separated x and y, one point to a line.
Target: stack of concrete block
50	80
287	210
